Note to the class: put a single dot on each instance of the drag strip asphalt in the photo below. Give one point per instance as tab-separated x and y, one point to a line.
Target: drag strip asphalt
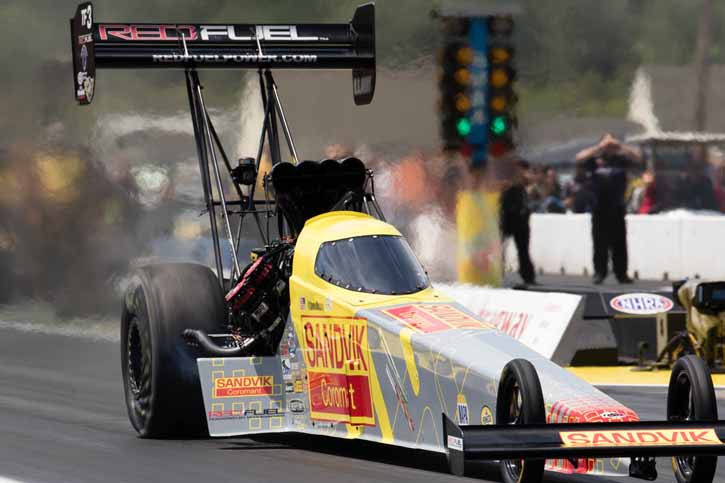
63	419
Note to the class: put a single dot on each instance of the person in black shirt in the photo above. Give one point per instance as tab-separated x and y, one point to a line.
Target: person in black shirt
514	219
607	164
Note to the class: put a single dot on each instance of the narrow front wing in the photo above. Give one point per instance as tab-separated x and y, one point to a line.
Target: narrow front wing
585	440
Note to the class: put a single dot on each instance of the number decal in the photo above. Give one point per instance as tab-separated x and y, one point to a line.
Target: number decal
87	17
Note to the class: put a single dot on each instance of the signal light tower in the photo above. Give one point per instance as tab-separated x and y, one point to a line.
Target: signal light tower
476	86
455	79
501	96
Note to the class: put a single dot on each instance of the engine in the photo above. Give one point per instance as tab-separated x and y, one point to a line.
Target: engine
259	303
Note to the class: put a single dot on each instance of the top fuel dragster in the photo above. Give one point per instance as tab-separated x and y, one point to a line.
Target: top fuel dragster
333	327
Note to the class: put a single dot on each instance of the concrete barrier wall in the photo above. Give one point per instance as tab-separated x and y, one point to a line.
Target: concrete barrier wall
659	245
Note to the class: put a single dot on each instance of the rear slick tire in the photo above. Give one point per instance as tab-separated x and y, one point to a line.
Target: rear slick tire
520	401
160	375
691	397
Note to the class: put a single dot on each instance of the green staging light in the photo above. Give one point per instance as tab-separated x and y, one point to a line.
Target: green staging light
499	125
463	126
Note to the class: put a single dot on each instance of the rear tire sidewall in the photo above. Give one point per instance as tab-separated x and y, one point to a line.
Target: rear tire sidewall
533	411
163	300
704	408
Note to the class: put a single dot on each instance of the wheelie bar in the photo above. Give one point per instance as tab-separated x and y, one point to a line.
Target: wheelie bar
581	440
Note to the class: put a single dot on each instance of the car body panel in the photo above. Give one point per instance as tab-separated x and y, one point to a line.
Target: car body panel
384	367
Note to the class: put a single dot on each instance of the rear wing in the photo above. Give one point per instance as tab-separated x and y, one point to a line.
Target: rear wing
226	46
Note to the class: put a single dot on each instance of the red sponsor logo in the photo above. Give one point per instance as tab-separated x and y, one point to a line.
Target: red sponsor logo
664	437
146	32
511	323
431	318
243	386
207	33
339	397
335	346
338	369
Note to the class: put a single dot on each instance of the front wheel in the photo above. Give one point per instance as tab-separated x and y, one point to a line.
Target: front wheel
691	397
520	401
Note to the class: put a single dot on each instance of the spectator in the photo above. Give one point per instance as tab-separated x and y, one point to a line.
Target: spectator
649	203
695	188
551	182
551	192
644	200
514	219
607	163
534	193
719	189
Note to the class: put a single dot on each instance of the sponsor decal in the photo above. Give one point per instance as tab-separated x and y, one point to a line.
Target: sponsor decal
147	32
84	57
256	413
242	386
611	415
85	39
486	416
641	303
511	323
337	357
298	386
87	17
455	443
296	406
261	32
587	410
431	318
462	410
303	303
664	437
286	369
235	58
85	86
247	413
323	424
289	387
328	305
316	306
292	345
204	33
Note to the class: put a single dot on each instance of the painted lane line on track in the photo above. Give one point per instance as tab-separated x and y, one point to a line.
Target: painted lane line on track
9	480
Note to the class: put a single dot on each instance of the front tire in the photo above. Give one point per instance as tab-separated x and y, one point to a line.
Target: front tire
520	401
691	397
160	375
